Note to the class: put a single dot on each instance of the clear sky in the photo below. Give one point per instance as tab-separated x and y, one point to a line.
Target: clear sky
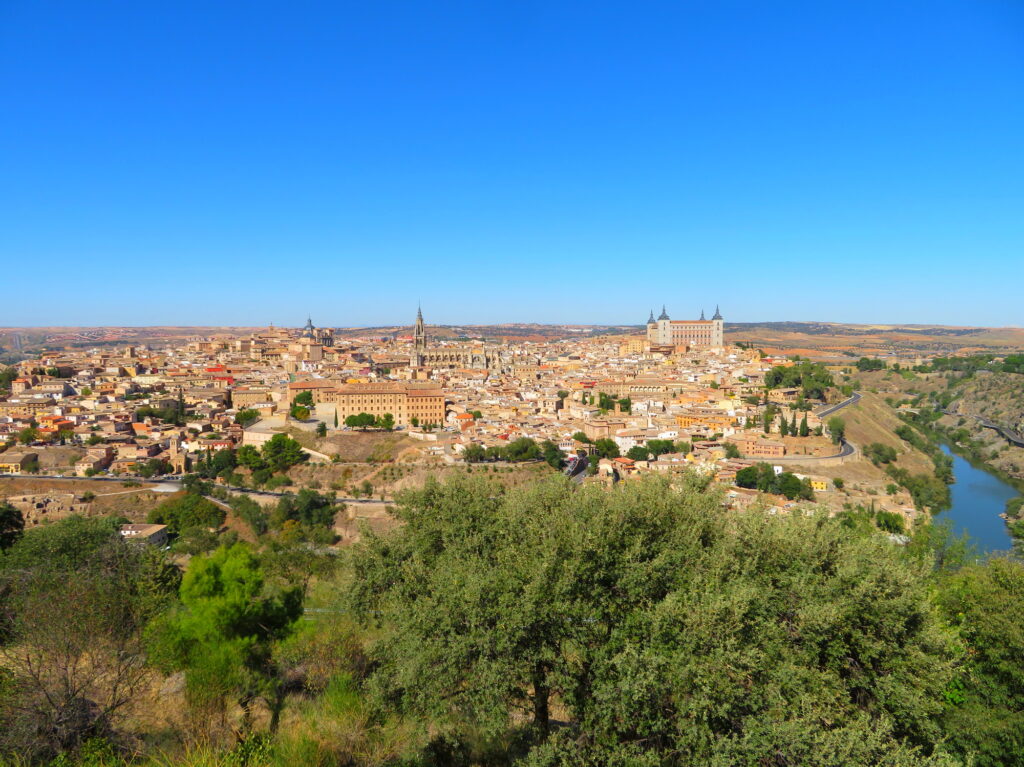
533	160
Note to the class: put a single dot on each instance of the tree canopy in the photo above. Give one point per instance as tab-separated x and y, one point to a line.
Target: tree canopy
668	634
221	634
811	377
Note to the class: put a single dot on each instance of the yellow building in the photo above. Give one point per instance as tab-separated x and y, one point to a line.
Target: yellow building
404	402
17	463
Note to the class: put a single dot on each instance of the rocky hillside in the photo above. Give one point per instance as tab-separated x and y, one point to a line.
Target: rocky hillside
995	397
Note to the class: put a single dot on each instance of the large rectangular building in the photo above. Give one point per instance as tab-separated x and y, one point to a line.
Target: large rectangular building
405	402
702	333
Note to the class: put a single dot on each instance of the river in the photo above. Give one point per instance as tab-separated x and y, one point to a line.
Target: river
978	498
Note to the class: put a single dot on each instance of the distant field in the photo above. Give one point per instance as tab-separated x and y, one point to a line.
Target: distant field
838	340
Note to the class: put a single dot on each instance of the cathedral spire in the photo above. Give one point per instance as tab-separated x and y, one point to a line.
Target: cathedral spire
664	314
419	333
702	314
651	318
718	314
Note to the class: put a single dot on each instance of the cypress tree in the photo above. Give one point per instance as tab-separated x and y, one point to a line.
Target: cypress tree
804	430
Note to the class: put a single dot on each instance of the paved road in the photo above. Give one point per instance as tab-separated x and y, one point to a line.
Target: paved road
844	452
1008	434
853	400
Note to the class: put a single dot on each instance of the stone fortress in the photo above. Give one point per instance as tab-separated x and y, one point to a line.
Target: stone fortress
665	332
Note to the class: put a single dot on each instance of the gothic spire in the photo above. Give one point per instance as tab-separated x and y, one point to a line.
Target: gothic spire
702	314
651	318
664	314
718	314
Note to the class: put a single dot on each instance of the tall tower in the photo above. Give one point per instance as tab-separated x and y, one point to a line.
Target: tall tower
664	334
419	332
717	329
419	341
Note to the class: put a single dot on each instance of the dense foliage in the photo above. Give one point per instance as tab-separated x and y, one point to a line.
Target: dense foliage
662	633
763	478
811	377
535	625
187	511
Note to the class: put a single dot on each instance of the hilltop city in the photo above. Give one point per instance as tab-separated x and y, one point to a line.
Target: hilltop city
673	398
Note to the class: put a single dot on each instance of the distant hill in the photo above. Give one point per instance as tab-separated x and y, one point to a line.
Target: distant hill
826	338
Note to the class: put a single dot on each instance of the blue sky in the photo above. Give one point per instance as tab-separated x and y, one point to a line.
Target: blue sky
254	162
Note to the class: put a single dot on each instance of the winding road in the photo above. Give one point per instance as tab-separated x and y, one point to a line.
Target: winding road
853	400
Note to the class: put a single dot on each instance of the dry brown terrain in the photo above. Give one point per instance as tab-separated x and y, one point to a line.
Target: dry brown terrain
111	498
835	340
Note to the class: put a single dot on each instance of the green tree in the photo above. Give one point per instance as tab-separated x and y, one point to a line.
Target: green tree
361	421
75	601
731	451
661	446
837	428
28	435
985	715
812	378
12	525
304	398
581	437
473	453
638	453
251	513
247	417
385	422
606	448
179	409
281	452
249	456
552	454
629	608
188	511
299	412
804	430
223	635
321	429
522	449
308	508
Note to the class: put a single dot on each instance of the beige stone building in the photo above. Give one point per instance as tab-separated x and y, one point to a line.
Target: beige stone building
404	401
702	333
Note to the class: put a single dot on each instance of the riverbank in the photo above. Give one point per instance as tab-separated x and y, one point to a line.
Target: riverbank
973	462
978	500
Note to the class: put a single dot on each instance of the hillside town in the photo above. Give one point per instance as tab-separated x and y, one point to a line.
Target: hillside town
676	398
